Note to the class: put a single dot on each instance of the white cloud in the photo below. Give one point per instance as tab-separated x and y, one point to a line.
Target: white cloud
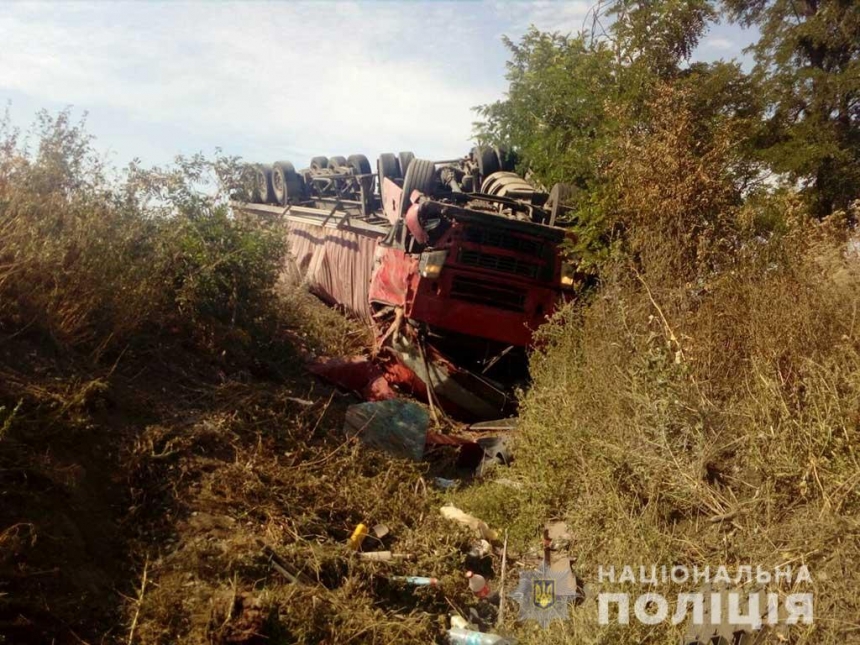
275	79
566	17
271	80
722	44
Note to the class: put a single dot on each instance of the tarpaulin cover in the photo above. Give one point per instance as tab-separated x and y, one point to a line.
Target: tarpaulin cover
395	426
335	264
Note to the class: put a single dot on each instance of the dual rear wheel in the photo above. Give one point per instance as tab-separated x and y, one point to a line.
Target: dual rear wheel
287	185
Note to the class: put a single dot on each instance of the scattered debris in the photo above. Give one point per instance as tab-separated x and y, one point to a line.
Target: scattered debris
357	537
497	450
471	454
501	617
496	425
463	636
559	535
481	549
417	581
380	531
385	556
478	584
303	402
396	426
372	380
479	526
280	565
443	483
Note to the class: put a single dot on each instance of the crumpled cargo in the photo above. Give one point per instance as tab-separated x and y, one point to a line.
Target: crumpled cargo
372	380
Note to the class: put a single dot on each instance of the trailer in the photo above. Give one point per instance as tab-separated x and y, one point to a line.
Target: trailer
454	263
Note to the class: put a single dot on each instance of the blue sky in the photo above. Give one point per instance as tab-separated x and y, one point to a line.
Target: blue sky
276	80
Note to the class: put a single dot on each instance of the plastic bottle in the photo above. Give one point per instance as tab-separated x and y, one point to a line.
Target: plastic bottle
478	584
461	636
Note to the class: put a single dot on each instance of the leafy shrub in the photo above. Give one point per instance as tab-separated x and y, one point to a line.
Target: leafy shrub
92	261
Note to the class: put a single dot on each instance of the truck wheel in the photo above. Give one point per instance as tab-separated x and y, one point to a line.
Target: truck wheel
559	196
489	184
488	161
318	163
286	182
359	164
334	162
507	159
502	184
387	166
404	159
420	176
263	183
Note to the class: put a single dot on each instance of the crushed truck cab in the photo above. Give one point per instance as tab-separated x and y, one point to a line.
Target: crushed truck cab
469	272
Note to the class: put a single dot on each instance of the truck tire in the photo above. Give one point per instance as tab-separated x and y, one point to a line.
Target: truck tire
334	162
404	159
388	166
359	164
488	161
559	196
489	183
286	183
507	159
263	184
421	176
318	163
501	184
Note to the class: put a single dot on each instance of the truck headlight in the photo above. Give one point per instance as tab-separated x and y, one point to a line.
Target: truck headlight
431	263
568	272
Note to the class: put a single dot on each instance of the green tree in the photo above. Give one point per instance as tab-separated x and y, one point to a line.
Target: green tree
658	35
809	59
572	99
554	112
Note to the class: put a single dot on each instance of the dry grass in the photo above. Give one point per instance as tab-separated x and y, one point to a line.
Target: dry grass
258	466
710	418
182	471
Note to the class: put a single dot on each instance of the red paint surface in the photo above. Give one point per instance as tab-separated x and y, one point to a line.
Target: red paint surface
393	273
432	304
372	380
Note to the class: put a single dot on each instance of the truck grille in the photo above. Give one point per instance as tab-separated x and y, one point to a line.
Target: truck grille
503	263
504	240
489	294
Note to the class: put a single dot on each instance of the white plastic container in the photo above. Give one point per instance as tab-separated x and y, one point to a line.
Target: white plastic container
460	636
478	584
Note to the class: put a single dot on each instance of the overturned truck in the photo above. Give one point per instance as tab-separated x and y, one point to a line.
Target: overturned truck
454	263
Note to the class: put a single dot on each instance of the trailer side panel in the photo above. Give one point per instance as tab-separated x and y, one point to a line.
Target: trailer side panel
336	264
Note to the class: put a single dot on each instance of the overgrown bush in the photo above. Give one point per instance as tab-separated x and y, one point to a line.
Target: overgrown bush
91	260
